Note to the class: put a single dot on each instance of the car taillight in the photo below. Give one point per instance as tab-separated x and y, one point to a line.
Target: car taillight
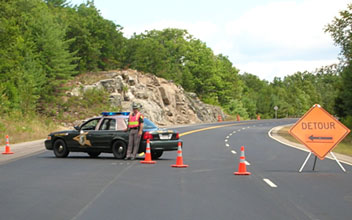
177	136
147	135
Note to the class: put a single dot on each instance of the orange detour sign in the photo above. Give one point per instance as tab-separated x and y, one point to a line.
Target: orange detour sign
319	131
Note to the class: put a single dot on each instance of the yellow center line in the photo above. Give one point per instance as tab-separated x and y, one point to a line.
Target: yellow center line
213	127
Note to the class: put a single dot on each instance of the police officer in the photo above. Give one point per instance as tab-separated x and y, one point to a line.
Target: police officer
135	125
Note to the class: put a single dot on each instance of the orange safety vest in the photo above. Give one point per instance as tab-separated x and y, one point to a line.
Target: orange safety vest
133	121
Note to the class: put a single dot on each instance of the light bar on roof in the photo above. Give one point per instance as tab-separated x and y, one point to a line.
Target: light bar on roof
114	113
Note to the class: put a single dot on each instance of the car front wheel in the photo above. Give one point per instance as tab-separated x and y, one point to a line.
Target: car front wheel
60	149
119	149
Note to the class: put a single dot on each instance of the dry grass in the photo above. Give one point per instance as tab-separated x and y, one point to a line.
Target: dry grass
283	132
344	147
22	128
25	129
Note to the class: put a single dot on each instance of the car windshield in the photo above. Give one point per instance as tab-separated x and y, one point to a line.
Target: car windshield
148	124
91	124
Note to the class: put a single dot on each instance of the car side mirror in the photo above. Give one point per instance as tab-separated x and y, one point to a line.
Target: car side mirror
76	127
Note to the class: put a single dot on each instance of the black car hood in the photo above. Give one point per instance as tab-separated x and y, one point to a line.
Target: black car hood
63	132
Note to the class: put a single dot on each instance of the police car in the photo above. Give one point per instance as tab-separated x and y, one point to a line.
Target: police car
107	134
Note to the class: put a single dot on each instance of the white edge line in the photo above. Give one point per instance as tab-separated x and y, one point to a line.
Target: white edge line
227	145
271	184
247	163
234	152
306	150
226	140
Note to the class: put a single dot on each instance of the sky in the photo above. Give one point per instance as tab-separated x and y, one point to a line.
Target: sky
267	38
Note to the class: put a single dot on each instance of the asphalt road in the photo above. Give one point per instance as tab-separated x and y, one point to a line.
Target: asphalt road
78	187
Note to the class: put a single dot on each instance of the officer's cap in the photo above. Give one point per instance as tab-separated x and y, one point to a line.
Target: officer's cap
135	106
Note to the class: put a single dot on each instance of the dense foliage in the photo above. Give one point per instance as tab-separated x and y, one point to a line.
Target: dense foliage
341	31
45	43
175	55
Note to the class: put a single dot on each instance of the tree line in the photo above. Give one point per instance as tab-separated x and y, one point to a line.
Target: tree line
44	43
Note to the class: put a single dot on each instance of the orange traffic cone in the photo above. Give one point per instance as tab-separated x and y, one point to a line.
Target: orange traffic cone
219	118
242	170
238	118
258	117
7	147
179	160
148	155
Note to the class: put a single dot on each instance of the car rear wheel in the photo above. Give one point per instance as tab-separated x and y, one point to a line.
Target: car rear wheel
60	148
156	154
119	149
94	154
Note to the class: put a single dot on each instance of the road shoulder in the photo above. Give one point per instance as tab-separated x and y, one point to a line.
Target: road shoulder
21	150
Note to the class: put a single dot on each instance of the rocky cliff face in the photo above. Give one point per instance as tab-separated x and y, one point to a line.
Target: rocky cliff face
162	101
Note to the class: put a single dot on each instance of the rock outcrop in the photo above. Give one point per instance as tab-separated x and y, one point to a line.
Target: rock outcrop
162	101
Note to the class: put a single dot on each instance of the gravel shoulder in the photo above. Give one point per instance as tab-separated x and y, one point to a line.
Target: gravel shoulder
21	150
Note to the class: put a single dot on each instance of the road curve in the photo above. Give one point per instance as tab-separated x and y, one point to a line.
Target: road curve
78	187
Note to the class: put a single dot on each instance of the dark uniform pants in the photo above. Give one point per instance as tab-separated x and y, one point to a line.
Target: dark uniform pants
133	143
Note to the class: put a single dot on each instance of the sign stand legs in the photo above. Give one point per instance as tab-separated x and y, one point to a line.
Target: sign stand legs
337	161
300	170
315	162
310	153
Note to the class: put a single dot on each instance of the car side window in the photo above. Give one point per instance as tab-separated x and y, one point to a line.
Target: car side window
108	124
90	125
112	125
104	125
121	124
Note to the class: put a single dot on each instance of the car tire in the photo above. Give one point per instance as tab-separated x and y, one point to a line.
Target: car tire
94	154
119	149
60	149
157	154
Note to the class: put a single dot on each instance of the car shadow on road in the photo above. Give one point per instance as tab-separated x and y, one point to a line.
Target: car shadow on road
83	157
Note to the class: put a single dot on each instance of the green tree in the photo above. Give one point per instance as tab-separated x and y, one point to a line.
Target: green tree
340	30
98	42
21	73
327	83
280	98
230	86
236	107
57	3
35	57
175	55
161	53
251	95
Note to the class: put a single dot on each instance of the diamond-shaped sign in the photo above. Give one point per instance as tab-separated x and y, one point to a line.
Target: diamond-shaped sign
319	131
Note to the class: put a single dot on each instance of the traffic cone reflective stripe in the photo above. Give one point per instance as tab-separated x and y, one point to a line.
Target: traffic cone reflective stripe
179	159
148	155
7	147
242	170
